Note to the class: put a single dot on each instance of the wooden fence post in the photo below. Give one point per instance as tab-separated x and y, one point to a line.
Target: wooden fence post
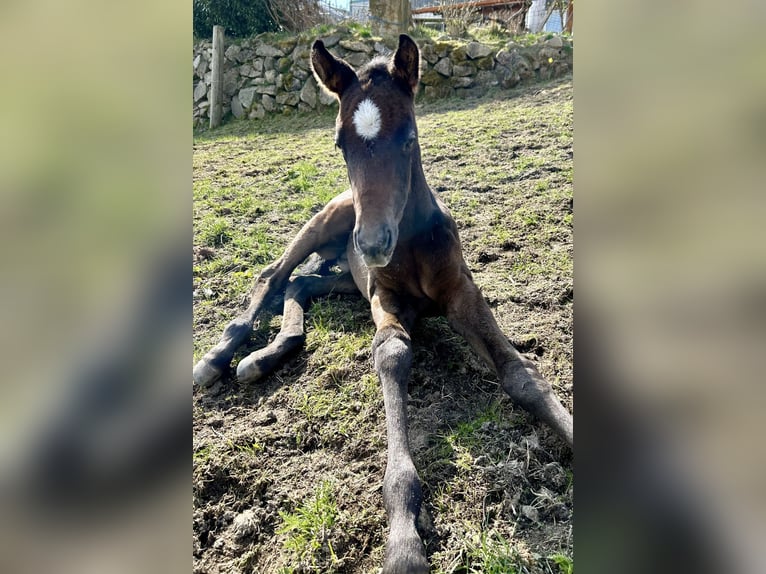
216	87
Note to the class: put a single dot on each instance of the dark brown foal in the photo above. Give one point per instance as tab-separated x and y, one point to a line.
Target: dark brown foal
401	249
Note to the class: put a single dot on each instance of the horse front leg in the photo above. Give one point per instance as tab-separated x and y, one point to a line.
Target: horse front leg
469	314
402	495
330	226
291	335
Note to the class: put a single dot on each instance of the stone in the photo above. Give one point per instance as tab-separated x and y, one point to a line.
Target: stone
309	93
438	92
290	83
268	63
258	65
203	67
304	107
504	58
288	99
461	82
246	97
355	46
475	50
230	82
486	63
257	113
357	59
245	54
236	108
266	89
523	67
197	60
270	76
200	91
330	41
300	53
555	42
300	74
429	54
267	51
508	78
302	63
459	55
546	53
232	52
326	98
268	103
208	77
431	78
444	67
284	64
486	78
380	48
442	48
463	70
247	71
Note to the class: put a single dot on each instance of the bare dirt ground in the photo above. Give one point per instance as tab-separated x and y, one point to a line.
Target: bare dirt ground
287	473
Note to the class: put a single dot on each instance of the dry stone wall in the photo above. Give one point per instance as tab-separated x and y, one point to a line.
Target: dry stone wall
263	78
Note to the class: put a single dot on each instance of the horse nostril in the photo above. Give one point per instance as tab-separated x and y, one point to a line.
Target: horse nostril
388	240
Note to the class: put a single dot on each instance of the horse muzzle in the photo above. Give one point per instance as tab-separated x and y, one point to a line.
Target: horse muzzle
375	246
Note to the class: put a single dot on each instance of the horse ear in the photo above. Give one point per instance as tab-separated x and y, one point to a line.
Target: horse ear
406	63
333	73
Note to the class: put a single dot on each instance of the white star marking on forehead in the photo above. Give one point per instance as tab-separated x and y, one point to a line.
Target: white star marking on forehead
367	120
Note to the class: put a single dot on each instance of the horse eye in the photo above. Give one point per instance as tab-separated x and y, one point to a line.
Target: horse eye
409	143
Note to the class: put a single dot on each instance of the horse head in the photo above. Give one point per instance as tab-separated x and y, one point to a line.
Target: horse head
376	131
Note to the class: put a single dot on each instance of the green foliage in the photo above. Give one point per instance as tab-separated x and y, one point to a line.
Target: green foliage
565	563
215	232
240	18
490	553
308	527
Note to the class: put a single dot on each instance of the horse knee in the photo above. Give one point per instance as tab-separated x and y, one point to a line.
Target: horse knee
391	350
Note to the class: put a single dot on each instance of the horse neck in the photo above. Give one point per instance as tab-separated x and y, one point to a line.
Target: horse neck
421	204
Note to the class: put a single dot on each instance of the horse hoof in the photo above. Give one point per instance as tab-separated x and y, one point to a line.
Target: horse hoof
205	374
248	370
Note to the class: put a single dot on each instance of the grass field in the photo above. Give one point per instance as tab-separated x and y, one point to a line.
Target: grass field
288	472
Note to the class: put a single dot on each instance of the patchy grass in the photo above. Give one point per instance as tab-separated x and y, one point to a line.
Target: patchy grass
287	473
307	531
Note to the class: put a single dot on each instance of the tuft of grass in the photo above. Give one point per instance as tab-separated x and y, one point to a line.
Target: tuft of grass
490	553
465	437
216	232
565	563
202	454
308	529
302	175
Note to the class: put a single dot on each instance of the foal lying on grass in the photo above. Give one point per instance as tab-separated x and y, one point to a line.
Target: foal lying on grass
398	245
